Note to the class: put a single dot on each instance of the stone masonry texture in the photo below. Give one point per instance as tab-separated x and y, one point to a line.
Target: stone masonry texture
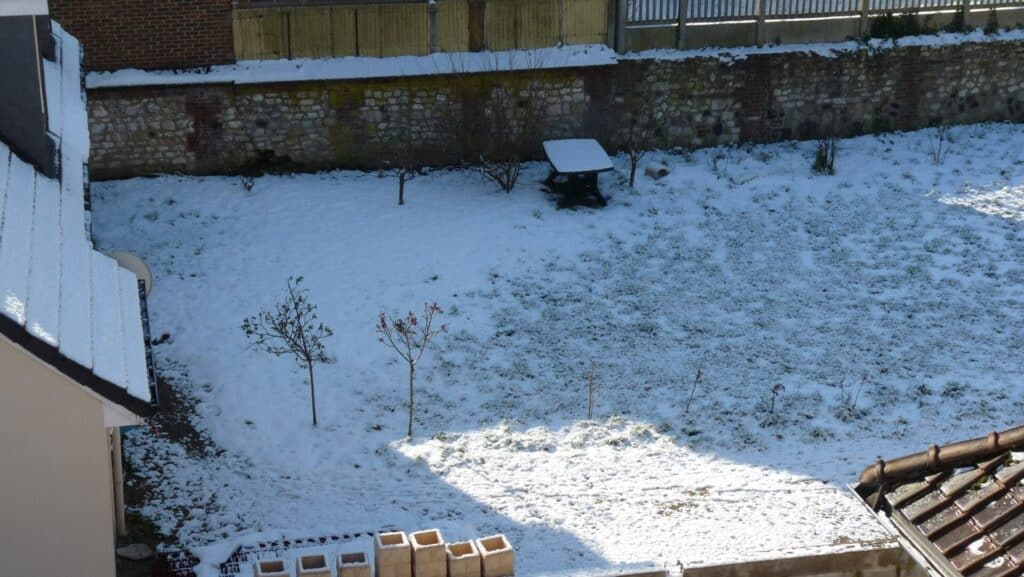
149	34
696	102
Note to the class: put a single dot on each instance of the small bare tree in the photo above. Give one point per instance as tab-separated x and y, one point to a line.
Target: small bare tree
645	111
409	337
405	129
401	159
292	328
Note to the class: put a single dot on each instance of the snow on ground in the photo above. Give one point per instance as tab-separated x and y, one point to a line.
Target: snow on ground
886	300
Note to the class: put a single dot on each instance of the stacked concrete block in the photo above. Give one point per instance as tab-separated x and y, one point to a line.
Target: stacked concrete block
392	555
463	560
353	565
270	568
312	566
496	556
429	557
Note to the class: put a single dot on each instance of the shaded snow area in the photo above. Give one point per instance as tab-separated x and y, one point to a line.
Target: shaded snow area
885	300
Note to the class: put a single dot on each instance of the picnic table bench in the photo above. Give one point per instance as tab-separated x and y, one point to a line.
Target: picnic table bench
575	164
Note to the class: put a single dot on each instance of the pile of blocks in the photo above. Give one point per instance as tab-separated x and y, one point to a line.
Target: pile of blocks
420	554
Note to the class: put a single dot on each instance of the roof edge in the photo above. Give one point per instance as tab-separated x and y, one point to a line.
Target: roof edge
937	459
52	356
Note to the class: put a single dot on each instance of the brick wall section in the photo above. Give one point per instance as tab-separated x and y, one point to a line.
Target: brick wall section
149	34
763	98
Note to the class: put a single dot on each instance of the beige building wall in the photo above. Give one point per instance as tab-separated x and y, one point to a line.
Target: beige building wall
55	481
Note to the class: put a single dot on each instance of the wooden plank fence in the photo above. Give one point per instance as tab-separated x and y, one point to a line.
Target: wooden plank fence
393	28
270	29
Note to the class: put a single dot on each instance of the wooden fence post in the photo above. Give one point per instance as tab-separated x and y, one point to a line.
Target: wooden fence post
477	25
432	26
761	32
610	19
864	28
561	22
684	8
620	25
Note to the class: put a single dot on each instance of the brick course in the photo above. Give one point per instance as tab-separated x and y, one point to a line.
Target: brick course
149	34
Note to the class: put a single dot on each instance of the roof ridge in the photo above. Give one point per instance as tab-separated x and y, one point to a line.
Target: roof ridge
937	459
29	260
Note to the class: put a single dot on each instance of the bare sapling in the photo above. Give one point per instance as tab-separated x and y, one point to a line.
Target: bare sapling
645	111
590	391
693	390
938	143
292	328
409	337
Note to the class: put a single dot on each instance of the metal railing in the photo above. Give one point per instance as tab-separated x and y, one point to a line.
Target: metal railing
666	12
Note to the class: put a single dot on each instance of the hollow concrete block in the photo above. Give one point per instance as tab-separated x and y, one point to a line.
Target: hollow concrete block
353	565
429	558
312	566
463	559
270	568
392	555
496	556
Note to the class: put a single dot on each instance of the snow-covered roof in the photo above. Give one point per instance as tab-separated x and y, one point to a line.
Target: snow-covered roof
68	304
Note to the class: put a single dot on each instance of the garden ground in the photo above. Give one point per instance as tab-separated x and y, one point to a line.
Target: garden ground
885	300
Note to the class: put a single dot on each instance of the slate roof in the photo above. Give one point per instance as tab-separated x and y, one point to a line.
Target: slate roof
960	507
68	304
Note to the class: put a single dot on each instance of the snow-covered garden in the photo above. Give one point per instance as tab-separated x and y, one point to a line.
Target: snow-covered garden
833	320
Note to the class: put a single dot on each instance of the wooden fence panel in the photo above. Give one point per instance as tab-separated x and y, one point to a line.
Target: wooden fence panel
404	29
537	24
343	31
368	28
586	21
309	32
452	25
500	24
260	33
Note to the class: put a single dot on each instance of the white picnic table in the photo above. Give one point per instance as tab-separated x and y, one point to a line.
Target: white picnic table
577	156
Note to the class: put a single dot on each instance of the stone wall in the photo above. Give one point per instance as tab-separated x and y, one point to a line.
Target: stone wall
698	102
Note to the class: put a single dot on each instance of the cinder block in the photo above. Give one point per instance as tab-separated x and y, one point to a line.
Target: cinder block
270	568
312	566
392	555
429	558
463	559
496	556
353	565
